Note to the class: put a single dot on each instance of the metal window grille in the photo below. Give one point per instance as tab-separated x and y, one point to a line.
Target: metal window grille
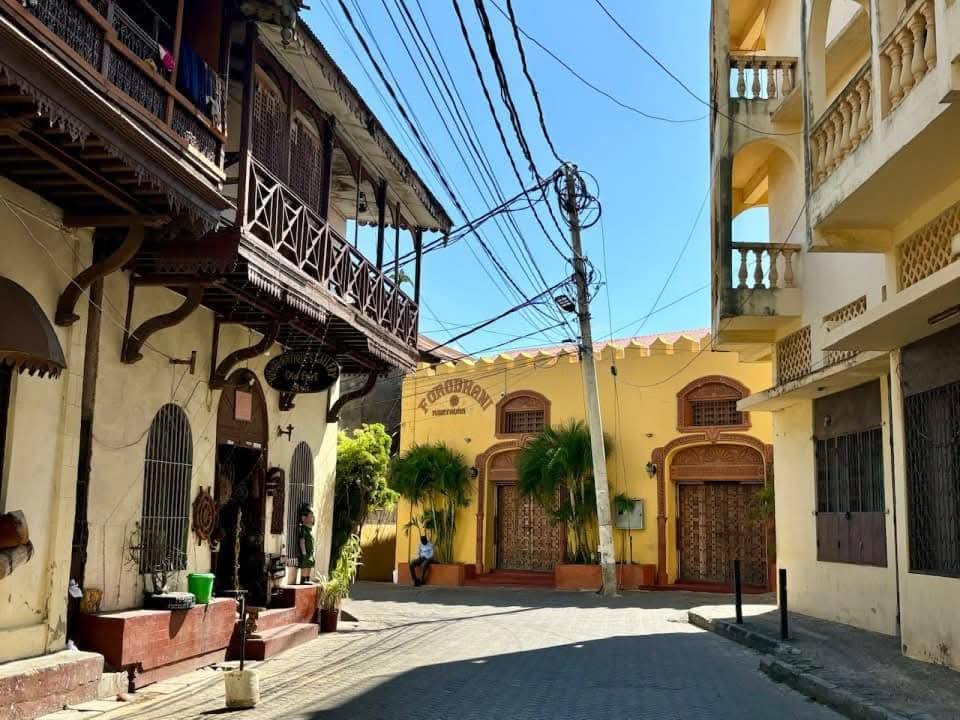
523	421
850	473
933	480
167	475
300	489
715	413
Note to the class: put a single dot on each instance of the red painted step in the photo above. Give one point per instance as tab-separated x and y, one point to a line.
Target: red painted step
513	578
272	642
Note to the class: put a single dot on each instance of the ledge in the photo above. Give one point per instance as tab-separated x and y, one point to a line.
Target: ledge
844	375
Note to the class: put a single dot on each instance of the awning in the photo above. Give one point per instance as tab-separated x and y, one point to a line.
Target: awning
27	339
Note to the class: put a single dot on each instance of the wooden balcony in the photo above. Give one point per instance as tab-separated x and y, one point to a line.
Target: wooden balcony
100	40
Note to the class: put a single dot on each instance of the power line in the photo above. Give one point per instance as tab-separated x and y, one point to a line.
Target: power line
594	87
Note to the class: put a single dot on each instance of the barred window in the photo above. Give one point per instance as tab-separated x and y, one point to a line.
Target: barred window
306	161
269	126
716	413
300	489
523	412
933	479
167	474
850	473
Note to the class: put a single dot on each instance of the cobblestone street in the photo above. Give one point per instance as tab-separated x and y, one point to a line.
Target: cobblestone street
467	654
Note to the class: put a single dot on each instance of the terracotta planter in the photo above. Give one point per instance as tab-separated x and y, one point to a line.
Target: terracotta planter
443	574
577	577
329	619
636	576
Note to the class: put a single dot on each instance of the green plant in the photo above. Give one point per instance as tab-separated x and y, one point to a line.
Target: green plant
556	469
623	504
361	483
336	587
436	479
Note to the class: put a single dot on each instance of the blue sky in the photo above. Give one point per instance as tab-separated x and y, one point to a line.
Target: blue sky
652	176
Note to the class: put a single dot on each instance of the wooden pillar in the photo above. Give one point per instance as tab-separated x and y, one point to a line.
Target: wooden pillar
246	121
356	207
326	172
381	220
418	249
177	38
396	246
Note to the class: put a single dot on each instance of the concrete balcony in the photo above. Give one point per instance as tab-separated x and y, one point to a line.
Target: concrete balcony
896	118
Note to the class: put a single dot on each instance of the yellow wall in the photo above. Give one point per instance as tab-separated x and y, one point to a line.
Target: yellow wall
39	471
647	420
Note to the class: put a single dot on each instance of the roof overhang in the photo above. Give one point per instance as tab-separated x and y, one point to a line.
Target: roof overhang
925	308
842	376
325	83
28	342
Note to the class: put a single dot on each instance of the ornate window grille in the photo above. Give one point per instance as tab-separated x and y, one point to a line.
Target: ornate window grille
269	127
306	163
715	413
300	491
523	421
523	412
167	475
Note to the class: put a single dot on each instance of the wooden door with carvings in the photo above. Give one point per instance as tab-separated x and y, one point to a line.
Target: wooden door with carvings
526	539
715	528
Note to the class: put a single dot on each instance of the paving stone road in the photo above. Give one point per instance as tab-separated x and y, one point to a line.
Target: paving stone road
478	653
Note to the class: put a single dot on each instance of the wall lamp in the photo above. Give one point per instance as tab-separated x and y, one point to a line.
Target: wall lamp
651	469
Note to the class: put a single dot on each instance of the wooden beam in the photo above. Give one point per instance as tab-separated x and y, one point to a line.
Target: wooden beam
177	36
326	173
246	122
418	247
65	315
75	221
218	378
381	220
138	338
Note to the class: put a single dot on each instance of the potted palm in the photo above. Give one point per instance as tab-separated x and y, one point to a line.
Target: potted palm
333	589
556	468
435	480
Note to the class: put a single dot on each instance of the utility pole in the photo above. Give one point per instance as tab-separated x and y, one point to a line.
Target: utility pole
604	520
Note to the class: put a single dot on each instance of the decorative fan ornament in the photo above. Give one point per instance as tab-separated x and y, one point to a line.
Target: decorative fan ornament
204	515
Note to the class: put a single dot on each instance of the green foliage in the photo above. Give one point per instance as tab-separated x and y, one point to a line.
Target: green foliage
556	468
361	484
762	505
334	589
435	478
623	504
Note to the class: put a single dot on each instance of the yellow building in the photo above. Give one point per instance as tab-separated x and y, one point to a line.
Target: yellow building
670	411
838	116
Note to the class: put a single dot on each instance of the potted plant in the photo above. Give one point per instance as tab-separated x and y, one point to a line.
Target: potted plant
436	479
556	468
332	590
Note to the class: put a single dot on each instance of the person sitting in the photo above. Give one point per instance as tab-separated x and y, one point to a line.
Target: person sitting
422	560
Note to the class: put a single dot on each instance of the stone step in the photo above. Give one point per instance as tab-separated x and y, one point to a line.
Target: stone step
274	641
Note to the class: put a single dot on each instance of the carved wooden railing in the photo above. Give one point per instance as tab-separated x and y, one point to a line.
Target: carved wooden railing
99	34
771	276
846	123
767	77
280	219
909	52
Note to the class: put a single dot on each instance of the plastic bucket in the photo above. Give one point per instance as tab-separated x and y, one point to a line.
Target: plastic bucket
242	688
201	585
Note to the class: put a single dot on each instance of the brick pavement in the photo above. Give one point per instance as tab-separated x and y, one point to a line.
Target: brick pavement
506	654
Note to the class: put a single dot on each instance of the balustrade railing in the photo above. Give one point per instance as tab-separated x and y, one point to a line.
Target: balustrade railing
909	52
114	46
762	77
837	318
795	356
284	222
773	265
845	124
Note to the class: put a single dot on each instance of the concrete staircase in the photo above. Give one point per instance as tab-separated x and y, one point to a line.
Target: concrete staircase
288	624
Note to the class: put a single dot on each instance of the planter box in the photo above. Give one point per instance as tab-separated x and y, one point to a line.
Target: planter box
636	576
577	577
444	574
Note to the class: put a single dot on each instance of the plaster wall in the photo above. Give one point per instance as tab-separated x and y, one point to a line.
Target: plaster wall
39	471
647	420
128	398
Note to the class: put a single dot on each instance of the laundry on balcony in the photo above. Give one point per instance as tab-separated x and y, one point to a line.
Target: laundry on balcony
197	81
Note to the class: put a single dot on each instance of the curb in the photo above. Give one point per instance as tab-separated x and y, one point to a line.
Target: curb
814	687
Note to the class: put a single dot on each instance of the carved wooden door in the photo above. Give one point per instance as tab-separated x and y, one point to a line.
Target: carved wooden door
526	539
715	528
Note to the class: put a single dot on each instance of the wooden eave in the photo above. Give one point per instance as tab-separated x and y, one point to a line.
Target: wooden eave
90	113
357	127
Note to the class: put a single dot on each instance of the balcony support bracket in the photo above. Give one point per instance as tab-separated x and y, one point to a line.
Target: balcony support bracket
134	341
333	414
218	377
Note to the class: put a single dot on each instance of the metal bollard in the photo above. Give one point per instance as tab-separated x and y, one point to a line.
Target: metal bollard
738	589
784	629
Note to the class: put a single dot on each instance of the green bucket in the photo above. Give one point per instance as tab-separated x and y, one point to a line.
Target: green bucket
201	585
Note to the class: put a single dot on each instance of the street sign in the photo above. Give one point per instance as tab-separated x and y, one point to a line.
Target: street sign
301	372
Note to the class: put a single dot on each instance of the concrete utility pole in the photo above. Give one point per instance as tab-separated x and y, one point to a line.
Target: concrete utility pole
604	520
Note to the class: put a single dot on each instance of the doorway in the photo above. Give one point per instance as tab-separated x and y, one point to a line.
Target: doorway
525	538
240	489
716	527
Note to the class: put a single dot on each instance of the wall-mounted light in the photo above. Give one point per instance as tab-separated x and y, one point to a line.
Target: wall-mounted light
474	472
361	202
651	469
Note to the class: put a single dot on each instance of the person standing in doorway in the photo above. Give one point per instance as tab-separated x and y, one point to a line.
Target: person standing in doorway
305	558
422	560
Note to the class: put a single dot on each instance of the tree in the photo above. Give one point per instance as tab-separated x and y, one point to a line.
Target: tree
435	478
361	483
556	469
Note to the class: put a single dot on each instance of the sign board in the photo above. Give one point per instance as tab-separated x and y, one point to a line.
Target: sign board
301	372
452	390
632	520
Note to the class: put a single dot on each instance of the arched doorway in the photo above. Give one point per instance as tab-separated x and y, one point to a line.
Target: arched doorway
240	563
716	524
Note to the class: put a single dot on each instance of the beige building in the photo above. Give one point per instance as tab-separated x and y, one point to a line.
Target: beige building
178	304
838	117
